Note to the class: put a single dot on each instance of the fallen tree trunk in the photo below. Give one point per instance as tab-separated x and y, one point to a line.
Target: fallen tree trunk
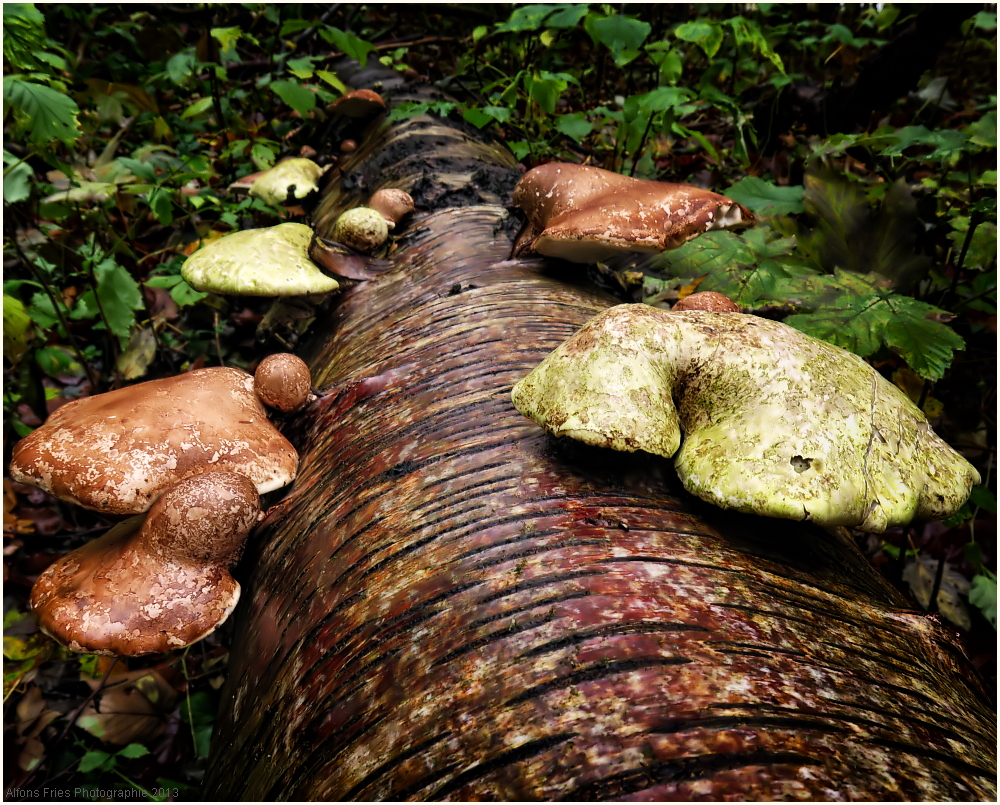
451	605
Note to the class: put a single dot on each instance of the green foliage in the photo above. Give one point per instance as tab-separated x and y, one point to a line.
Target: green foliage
983	594
42	114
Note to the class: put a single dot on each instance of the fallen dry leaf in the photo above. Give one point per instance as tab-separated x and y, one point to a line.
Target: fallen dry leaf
133	708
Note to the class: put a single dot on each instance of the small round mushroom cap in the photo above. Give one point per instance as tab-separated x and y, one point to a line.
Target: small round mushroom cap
359	103
361	228
774	422
392	203
291	178
153	583
707	300
586	214
118	452
273	261
282	381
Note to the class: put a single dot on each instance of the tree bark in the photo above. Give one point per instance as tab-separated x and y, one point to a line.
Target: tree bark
450	604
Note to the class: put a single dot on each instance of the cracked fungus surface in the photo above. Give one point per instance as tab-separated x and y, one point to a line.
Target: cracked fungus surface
774	422
152	583
273	261
117	452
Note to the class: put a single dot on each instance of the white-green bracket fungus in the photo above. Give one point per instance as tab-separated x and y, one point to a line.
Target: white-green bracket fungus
774	422
273	261
290	180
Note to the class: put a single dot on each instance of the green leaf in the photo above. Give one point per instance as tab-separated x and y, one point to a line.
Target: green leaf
133	750
52	114
199	107
567	16
545	88
982	497
295	95
983	594
93	760
119	296
574	125
747	32
706	35
668	60
487	114
908	326
16	178
161	203
764	198
23	34
357	49
984	20
658	100
16	326
182	293
526	18
984	131
181	66
332	80
293	27
227	37
622	35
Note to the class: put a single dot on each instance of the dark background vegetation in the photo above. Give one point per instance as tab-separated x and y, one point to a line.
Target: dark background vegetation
862	136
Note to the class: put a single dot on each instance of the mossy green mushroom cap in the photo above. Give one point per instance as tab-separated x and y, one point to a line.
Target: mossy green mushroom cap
774	422
294	179
273	261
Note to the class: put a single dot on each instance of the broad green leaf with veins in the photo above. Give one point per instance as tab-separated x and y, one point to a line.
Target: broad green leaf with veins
52	115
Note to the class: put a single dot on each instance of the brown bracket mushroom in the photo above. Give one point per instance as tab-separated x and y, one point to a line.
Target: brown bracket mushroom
117	452
774	422
359	104
153	583
586	214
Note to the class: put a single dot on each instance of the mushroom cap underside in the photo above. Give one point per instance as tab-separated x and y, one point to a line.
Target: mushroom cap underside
774	422
117	452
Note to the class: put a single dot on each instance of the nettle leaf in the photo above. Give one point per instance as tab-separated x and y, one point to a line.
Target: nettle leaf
52	114
352	46
706	35
93	760
764	198
119	296
907	326
622	35
295	95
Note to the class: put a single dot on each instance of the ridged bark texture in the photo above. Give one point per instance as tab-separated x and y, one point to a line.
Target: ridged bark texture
452	605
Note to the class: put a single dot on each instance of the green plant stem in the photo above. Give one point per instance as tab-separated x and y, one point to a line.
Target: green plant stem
57	307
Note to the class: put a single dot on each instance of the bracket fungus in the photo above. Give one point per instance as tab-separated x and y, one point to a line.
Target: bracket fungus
586	214
775	422
290	180
273	261
706	300
117	452
153	583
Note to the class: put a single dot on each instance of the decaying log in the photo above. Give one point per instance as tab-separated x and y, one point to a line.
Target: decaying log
452	605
